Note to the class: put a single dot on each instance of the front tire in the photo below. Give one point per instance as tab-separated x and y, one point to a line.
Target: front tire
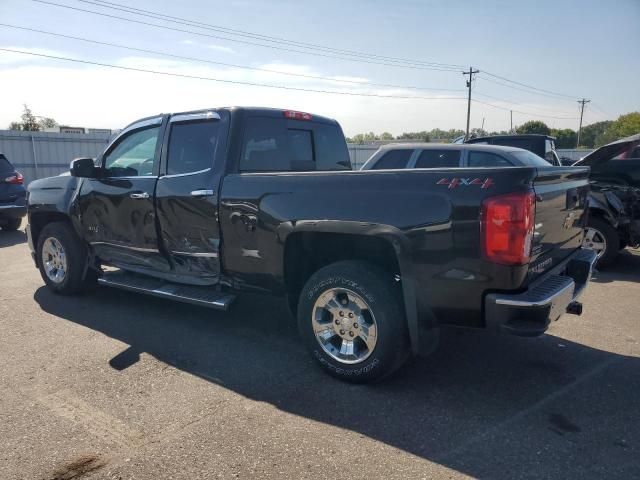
350	317
604	239
62	260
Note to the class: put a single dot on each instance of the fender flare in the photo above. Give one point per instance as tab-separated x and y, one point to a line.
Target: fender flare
423	335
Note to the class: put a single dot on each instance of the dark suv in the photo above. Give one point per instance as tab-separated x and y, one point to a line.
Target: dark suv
12	196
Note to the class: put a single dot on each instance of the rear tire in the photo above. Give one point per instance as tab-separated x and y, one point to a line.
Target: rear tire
349	301
602	231
12	224
62	260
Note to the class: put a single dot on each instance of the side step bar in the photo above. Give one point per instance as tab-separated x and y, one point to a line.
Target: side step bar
196	295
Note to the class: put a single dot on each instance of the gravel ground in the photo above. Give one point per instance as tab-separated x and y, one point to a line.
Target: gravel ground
114	385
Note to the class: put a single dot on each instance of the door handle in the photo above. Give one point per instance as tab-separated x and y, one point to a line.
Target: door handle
202	193
139	195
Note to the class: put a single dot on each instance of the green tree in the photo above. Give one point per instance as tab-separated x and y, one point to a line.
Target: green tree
624	126
386	136
422	136
29	122
565	137
15	126
591	132
533	126
47	122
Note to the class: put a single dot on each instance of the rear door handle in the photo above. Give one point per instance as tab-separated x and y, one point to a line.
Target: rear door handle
202	193
139	195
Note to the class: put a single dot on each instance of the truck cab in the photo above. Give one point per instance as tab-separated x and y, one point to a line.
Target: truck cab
542	145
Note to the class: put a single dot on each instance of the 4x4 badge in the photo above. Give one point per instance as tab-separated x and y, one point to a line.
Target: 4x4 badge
454	182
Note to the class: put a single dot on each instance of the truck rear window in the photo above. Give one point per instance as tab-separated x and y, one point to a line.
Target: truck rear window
272	145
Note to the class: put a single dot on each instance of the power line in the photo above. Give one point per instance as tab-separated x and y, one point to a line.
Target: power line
247	34
221	80
523	90
192	32
267	70
511	102
157	15
255	84
529	86
522	111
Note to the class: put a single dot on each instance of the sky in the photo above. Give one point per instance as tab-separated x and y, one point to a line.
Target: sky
578	49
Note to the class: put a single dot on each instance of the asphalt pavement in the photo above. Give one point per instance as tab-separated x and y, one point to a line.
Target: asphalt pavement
115	385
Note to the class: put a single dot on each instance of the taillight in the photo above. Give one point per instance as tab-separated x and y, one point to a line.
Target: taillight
16	179
506	224
297	115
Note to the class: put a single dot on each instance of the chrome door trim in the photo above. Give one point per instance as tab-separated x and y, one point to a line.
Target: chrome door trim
173	175
202	193
187	117
197	254
137	249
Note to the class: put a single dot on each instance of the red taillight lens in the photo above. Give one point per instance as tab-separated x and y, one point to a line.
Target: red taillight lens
506	224
16	179
297	115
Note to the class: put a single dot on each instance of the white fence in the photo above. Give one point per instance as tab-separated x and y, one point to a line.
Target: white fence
43	154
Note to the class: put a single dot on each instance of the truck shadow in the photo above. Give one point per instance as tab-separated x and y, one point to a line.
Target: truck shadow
626	266
456	407
8	239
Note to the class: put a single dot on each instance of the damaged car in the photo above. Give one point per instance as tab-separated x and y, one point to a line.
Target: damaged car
614	200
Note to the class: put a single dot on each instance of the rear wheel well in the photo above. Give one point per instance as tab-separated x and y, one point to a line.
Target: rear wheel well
37	222
307	252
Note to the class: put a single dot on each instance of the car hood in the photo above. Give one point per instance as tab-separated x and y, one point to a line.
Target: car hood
606	153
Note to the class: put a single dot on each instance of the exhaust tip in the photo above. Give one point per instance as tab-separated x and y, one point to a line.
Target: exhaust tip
574	308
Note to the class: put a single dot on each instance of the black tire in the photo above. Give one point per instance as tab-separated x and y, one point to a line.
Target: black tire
78	278
12	224
612	240
383	297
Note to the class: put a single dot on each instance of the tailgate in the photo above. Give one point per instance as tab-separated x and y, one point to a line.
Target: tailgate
561	194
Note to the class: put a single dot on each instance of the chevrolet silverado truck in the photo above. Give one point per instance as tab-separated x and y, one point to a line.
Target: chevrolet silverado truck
200	206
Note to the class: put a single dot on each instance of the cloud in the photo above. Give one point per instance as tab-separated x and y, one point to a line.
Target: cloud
96	96
217	48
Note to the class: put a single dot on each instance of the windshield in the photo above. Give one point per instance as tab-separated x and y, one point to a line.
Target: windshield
530	159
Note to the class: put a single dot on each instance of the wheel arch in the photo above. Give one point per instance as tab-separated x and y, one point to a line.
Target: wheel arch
309	246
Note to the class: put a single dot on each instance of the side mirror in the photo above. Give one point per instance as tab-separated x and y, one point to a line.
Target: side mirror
83	167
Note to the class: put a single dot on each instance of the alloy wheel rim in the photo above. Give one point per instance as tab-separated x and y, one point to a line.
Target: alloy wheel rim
344	325
594	240
54	260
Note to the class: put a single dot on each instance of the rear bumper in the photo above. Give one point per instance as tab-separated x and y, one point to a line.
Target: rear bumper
12	211
529	313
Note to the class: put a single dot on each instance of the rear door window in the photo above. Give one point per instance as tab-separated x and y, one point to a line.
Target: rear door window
192	146
276	145
393	159
265	146
487	159
438	159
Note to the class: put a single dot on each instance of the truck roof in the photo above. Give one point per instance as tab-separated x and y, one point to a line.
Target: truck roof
525	135
262	111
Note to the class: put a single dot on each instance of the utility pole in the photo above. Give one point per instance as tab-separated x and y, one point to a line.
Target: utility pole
511	129
470	73
582	103
482	128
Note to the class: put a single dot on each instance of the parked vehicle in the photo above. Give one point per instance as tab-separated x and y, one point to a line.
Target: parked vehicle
12	196
199	206
614	201
446	155
542	145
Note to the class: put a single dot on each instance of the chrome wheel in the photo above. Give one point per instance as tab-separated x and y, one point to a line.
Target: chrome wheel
594	240
344	325
54	260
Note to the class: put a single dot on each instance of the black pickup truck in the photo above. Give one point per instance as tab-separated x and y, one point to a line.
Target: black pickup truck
200	206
